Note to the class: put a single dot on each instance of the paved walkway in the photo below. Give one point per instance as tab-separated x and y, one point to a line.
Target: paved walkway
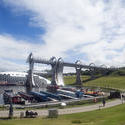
66	110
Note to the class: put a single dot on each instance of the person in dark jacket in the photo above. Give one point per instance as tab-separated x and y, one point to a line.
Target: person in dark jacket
103	102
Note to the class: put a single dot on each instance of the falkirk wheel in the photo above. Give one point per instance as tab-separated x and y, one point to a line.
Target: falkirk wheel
57	71
57	66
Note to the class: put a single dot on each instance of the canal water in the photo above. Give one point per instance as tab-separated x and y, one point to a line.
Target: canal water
16	89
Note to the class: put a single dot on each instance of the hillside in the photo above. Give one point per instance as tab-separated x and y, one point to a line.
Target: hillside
117	82
114	79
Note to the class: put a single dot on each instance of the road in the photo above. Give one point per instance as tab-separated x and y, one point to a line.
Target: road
66	110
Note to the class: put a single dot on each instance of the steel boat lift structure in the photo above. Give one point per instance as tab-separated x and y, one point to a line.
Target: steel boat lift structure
57	66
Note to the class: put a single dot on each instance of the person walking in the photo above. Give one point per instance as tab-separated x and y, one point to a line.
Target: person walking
103	102
122	98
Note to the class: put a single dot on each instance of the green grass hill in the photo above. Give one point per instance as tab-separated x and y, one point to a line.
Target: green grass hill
114	79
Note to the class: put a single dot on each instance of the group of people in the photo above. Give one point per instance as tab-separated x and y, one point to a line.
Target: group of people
31	114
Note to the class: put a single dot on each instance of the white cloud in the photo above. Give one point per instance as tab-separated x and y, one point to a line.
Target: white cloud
13	53
68	23
92	27
6	65
10	48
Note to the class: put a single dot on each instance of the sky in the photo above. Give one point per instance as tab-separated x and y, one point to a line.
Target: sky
92	31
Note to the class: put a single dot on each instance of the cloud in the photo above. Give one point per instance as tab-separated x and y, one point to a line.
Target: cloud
68	23
10	48
14	53
92	28
6	65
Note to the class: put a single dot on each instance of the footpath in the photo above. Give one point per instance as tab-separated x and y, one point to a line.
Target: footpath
42	112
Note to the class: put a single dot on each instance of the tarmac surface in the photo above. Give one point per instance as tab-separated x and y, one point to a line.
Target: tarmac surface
44	112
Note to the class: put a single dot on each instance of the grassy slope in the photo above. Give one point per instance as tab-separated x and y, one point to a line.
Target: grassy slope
68	80
115	80
109	116
109	81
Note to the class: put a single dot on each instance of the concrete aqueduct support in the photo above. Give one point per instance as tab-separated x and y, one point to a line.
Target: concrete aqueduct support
78	73
92	70
103	71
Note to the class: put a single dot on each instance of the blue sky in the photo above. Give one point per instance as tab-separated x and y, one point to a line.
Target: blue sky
89	30
18	25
